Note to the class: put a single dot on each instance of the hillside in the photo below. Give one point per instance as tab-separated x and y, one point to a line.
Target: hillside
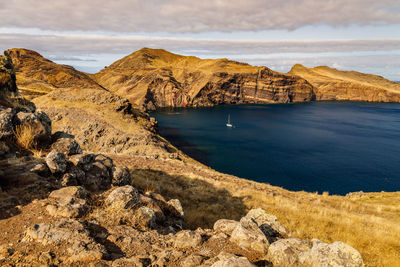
156	78
37	75
333	84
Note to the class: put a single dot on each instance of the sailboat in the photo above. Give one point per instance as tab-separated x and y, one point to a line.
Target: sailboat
228	124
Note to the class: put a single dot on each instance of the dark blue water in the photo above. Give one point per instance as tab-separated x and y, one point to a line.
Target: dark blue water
338	147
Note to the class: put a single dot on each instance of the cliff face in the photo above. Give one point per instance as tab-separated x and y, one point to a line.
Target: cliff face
37	75
332	84
156	78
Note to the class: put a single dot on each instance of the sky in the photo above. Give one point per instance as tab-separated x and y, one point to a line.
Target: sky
361	35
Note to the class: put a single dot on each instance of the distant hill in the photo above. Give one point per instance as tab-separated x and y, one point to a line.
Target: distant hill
157	78
333	84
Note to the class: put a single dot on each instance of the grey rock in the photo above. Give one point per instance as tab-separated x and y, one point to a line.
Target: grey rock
106	161
56	162
121	176
145	218
83	161
68	202
175	208
7	122
269	224
285	252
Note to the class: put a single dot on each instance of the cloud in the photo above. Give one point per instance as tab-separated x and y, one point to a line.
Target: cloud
194	16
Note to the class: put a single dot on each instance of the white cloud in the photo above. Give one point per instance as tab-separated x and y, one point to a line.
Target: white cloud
194	16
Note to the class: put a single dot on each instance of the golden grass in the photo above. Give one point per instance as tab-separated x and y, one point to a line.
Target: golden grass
24	135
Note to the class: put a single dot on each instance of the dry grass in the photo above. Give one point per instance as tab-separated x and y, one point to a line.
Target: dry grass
24	135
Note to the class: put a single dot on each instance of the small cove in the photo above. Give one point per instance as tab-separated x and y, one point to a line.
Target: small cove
338	147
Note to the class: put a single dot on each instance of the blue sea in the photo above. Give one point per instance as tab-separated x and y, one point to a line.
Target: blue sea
338	147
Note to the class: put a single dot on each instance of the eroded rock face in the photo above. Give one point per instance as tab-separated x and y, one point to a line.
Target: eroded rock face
249	237
155	74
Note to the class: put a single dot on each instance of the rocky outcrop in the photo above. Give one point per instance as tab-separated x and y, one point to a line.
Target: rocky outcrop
155	78
333	84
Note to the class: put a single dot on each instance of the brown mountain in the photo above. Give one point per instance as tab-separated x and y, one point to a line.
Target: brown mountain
333	84
157	78
37	75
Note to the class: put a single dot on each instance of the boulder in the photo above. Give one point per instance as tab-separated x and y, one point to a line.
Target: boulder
269	224
56	162
249	237
40	126
4	148
83	161
7	122
225	226
225	259
41	169
97	177
68	202
79	243
121	176
192	261
330	255
187	239
73	176
285	252
125	197
68	146
106	161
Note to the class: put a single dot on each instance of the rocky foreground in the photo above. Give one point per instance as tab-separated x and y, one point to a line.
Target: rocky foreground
61	206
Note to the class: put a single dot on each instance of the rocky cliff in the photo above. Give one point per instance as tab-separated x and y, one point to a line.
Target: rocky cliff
62	206
156	78
333	84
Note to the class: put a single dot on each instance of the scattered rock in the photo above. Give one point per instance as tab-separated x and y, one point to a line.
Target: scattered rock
121	176
175	207
79	244
83	161
225	226
56	162
192	261
285	252
269	224
106	161
249	237
97	177
187	239
125	197
7	122
68	146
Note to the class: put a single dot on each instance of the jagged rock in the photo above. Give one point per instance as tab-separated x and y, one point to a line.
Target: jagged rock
150	203
22	104
330	255
97	177
187	239
40	125
83	161
125	197
225	226
225	259
192	261
121	176
72	234
269	224
68	202
175	207
68	146
249	237
56	162
73	176
145	218
285	252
